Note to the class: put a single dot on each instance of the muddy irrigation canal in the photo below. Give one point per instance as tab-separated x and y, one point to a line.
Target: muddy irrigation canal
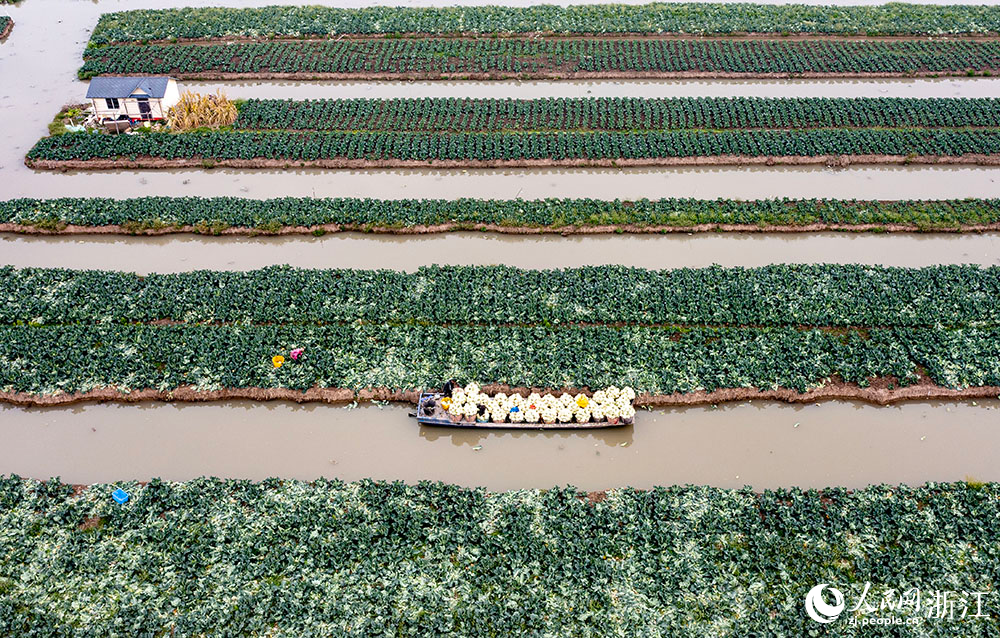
762	444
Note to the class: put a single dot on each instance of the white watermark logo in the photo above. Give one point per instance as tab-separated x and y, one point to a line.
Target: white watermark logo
890	606
821	611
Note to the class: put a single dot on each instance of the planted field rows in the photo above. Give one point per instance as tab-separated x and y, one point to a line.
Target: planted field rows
547	58
359	133
660	18
655	40
614	114
331	557
790	332
786	295
325	149
154	215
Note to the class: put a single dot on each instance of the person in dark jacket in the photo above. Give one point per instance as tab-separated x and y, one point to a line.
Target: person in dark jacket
448	387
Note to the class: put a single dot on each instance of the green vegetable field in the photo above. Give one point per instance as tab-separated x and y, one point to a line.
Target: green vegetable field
680	18
214	214
307	42
778	295
402	132
615	114
545	58
142	409
51	360
385	148
660	332
287	559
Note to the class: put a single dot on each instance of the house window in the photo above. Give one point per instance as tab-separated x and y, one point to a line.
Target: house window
112	103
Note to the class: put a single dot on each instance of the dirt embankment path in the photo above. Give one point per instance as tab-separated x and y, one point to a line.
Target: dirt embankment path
551	35
146	162
882	391
428	229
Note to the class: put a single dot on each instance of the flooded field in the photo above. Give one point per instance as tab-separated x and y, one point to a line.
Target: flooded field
178	253
765	445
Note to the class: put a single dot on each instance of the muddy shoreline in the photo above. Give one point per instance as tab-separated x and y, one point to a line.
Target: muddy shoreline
422	229
558	75
146	162
883	391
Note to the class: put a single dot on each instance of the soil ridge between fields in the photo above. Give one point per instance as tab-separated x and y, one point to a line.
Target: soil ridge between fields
512	229
560	75
790	36
147	162
881	391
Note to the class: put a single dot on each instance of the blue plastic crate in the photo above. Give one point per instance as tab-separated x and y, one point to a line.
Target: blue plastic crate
120	496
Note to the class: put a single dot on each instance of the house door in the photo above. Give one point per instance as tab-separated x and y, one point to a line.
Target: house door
144	109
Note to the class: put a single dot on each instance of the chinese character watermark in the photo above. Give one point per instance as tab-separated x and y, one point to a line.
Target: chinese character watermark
826	604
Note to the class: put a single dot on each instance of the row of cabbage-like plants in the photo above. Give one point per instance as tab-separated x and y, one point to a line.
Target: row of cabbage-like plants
660	332
290	559
775	295
676	18
614	114
215	214
395	148
497	58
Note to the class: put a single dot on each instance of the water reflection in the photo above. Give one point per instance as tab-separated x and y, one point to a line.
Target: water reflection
620	436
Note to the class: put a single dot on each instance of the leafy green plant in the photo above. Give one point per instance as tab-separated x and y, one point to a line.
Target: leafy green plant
137	214
614	114
399	148
68	115
656	18
286	559
661	332
547	58
777	295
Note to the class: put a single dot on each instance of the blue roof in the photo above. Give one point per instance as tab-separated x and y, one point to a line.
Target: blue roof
124	87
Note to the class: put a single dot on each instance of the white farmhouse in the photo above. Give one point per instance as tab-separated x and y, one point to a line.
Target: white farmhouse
132	98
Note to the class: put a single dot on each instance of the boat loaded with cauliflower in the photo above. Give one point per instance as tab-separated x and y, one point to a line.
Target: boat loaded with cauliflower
467	406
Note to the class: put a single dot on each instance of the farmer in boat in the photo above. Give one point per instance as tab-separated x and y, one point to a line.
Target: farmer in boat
446	389
449	386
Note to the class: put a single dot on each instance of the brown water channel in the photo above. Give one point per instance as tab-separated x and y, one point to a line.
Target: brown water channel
178	253
764	445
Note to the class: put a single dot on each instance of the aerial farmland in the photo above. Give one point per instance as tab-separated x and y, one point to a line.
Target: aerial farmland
351	319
